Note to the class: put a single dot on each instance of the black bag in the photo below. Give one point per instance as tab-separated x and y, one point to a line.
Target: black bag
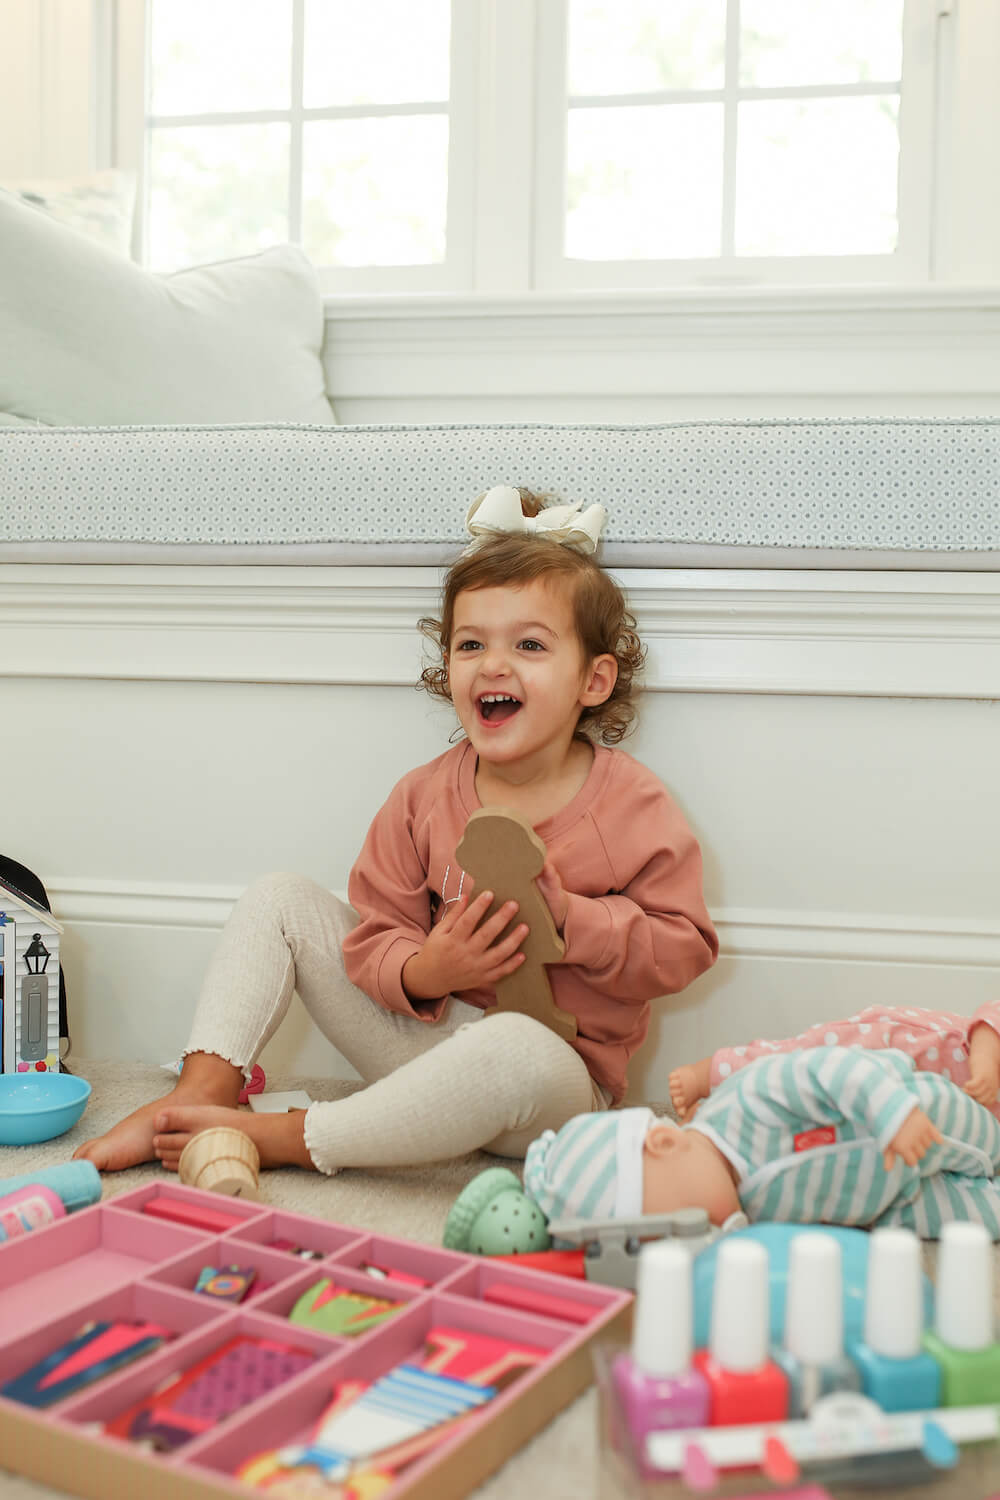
28	884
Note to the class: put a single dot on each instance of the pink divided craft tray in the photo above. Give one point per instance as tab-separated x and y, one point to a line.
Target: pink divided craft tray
459	1321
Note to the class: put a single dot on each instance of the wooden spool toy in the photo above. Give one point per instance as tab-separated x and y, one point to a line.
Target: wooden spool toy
503	854
221	1160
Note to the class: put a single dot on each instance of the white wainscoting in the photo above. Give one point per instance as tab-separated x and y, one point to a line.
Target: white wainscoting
834	739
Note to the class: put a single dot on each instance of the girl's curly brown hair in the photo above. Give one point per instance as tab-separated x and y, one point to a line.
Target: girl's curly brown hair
603	623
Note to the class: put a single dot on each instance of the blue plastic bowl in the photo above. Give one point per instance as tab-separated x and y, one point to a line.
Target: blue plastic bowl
39	1106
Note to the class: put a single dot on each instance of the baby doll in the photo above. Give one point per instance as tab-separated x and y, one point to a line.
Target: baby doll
830	1135
965	1049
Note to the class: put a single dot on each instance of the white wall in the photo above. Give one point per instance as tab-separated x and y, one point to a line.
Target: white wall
833	739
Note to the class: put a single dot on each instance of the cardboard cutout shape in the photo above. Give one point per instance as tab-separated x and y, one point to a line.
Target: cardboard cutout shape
503	854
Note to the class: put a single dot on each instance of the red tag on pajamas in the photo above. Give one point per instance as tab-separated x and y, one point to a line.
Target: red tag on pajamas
821	1135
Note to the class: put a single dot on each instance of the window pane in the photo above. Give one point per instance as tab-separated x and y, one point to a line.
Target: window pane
376	52
786	42
375	191
644	182
817	177
635	46
219	55
216	191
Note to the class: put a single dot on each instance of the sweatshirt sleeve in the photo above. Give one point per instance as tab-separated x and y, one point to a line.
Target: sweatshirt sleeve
388	890
652	934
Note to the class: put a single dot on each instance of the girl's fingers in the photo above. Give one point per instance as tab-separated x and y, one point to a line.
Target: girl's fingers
502	970
490	931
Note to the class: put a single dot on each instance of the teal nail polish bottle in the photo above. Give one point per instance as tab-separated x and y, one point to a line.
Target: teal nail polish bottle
895	1370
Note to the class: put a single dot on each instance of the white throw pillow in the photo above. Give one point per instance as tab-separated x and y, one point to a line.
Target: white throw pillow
99	205
89	339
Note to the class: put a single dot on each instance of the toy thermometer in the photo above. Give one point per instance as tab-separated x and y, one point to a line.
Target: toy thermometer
839	1426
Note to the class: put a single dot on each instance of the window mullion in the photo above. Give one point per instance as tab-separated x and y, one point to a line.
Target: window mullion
727	238
505	134
297	104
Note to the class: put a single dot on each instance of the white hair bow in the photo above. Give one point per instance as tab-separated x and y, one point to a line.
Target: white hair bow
499	510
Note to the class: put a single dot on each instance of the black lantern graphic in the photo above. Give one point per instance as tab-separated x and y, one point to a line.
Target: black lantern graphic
36	955
34	1009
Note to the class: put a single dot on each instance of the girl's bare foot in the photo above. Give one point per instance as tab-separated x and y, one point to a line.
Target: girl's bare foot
689	1084
279	1138
205	1079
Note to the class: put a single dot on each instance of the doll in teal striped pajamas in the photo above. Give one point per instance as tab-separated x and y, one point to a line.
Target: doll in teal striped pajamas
826	1135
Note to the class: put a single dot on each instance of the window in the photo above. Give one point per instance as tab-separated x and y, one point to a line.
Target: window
512	145
728	139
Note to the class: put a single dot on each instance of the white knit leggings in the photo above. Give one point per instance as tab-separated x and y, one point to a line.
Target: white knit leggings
436	1089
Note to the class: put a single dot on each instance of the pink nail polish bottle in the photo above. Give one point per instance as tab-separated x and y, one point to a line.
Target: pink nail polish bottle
656	1386
745	1384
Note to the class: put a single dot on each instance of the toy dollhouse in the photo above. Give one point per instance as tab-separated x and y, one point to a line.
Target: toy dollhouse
29	983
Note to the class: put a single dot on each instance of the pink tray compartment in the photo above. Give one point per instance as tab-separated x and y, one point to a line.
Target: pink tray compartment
475	1281
272	1267
104	1402
70	1263
434	1266
236	1209
282	1299
134	1303
311	1234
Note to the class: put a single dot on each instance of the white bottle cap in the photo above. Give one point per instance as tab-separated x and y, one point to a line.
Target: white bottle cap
964	1311
740	1327
814	1301
894	1303
662	1330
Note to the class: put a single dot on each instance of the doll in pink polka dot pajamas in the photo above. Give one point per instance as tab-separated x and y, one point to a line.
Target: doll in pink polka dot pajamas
965	1049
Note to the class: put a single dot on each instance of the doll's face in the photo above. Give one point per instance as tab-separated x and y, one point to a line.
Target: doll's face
683	1169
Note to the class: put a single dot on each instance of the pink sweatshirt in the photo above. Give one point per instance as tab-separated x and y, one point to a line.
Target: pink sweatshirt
637	926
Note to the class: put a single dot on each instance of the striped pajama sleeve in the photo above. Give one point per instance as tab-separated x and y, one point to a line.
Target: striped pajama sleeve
955	1182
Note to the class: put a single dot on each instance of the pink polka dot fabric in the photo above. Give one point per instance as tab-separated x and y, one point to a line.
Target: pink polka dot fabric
937	1040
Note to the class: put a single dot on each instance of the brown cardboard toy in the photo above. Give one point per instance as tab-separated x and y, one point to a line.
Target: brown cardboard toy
503	854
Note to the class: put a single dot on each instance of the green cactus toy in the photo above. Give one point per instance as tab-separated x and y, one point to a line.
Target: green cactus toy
494	1216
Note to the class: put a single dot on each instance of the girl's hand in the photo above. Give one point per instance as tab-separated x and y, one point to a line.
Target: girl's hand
554	892
984	1065
912	1140
464	951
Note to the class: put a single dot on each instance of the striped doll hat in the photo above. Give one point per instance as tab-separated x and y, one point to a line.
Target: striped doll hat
591	1168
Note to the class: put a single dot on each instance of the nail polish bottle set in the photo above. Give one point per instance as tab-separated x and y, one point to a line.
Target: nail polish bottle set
662	1385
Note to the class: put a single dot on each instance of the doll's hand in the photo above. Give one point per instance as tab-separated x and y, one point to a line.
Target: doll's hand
912	1140
554	893
984	1065
464	952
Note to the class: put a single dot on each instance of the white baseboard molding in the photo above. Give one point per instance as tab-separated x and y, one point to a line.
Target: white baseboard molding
716	631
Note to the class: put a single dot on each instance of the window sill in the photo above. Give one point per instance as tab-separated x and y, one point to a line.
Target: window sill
907	340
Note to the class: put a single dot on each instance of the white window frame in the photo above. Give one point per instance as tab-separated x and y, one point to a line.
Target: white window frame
912	262
507	155
453	273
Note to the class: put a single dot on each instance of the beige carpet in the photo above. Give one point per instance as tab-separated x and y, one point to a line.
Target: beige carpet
561	1463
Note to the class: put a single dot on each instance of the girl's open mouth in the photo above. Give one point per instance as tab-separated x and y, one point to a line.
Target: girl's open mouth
496	708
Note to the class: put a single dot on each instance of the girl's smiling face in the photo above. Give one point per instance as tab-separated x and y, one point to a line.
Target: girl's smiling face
518	675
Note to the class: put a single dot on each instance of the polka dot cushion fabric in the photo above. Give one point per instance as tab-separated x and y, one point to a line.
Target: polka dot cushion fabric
922	486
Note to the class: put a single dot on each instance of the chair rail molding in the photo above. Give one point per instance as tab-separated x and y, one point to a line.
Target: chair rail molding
745	932
917	634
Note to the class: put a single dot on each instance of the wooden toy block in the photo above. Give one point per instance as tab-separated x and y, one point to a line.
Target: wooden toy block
503	854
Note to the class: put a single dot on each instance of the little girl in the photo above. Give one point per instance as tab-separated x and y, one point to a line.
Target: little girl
963	1048
537	655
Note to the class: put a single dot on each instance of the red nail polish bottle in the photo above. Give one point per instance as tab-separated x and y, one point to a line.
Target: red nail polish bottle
745	1385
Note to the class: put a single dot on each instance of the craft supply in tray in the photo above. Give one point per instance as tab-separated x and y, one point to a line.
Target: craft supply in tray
496	1349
